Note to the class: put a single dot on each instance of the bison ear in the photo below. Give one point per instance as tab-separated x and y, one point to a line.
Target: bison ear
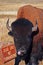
10	33
35	32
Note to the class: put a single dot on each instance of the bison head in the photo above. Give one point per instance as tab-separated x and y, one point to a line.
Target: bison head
21	30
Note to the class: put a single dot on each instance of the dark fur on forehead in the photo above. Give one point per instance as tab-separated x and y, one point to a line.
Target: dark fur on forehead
22	25
22	22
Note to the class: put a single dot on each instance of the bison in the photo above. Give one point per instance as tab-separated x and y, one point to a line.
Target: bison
23	31
32	13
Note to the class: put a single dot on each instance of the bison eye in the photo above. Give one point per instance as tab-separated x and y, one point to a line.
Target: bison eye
16	39
29	36
15	33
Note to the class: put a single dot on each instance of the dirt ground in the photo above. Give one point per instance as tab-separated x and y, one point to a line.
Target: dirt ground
21	63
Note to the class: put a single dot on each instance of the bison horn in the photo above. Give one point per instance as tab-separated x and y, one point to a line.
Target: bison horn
35	27
8	26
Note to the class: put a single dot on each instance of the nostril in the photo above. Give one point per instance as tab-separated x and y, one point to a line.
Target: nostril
19	52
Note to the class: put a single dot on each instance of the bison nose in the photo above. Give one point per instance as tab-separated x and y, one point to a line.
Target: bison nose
22	51
19	53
